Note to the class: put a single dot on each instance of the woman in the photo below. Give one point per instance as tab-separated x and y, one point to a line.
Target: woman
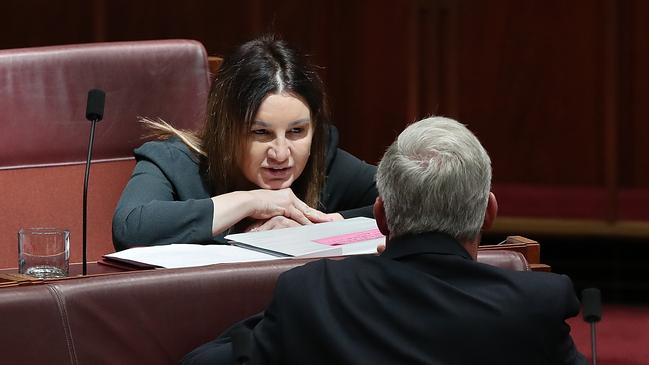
267	158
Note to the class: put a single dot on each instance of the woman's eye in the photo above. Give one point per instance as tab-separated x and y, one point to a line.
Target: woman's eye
259	132
297	130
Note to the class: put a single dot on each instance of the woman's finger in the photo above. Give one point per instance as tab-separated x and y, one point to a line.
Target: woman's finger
297	215
276	222
316	216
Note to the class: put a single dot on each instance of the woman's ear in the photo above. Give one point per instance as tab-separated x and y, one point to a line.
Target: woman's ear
491	212
379	215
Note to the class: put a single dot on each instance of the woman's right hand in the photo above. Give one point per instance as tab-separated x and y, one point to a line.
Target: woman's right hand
270	203
261	204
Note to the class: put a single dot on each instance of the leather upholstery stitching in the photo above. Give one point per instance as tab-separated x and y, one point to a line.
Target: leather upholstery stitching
64	320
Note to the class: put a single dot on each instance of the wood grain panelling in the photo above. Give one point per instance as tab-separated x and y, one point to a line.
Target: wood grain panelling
433	71
368	84
218	24
634	130
33	23
634	112
535	87
389	67
611	108
531	87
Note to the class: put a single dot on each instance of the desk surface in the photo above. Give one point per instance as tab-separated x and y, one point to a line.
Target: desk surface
530	249
93	268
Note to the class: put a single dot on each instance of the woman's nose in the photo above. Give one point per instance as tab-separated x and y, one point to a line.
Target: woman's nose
279	150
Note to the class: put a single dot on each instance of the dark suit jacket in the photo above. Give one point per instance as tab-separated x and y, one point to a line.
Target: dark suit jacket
167	199
423	301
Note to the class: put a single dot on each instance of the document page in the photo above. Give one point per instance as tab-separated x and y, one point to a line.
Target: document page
347	237
188	255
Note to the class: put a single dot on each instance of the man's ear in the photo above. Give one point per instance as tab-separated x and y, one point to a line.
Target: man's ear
491	212
379	215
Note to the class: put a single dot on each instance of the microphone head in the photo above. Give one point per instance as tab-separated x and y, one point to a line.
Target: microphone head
95	106
591	300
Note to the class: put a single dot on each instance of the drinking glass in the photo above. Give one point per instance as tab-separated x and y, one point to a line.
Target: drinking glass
44	252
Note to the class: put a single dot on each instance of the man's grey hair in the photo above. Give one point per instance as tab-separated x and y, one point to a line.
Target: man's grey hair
435	177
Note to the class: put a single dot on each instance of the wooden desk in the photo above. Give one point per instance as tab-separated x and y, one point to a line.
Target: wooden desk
94	269
529	248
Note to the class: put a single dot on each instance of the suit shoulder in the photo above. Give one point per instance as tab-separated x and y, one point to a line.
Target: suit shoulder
169	149
550	289
174	159
546	280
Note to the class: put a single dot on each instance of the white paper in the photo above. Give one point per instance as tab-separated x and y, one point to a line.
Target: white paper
300	241
292	242
189	255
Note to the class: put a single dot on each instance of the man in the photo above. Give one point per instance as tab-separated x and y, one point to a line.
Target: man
424	300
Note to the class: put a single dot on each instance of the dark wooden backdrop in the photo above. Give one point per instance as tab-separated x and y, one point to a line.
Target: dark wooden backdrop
555	89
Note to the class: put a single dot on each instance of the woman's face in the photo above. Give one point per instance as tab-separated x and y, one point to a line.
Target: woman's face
278	143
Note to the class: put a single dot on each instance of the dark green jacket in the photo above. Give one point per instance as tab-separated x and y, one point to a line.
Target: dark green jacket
167	200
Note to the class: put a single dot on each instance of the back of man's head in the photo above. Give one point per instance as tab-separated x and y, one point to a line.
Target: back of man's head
435	177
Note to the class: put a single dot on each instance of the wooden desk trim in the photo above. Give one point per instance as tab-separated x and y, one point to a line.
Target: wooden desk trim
529	248
214	63
94	269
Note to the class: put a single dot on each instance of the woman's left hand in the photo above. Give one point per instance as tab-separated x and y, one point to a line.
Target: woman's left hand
335	216
276	222
280	221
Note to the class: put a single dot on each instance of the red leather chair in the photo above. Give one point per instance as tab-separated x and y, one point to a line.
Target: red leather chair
44	134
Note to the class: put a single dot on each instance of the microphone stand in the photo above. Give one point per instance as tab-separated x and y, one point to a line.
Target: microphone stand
592	312
94	113
85	197
593	344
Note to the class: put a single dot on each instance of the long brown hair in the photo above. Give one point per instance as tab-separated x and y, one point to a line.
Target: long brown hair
260	67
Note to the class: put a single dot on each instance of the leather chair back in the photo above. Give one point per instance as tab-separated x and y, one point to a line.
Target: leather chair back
511	260
44	134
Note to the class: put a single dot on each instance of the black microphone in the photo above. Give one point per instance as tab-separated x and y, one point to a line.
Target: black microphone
94	113
591	300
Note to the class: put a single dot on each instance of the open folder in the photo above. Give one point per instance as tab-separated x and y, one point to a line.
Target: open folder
347	237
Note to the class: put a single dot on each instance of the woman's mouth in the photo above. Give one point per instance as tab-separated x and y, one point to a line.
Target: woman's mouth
277	173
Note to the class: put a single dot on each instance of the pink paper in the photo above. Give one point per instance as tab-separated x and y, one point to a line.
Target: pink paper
344	239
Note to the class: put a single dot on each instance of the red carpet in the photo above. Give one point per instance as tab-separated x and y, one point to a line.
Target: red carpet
622	335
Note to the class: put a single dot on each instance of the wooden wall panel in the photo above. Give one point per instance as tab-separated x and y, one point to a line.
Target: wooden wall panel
33	23
535	87
217	24
366	80
634	112
634	130
531	83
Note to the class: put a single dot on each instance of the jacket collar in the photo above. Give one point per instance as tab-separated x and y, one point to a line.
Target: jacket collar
424	243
